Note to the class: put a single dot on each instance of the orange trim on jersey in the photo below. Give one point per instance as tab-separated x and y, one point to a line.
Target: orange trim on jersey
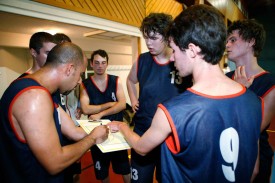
262	100
116	84
11	105
258	75
105	86
82	84
137	65
268	91
27	73
55	105
218	97
261	73
160	63
172	141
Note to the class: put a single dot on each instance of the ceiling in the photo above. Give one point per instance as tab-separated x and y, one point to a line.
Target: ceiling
15	23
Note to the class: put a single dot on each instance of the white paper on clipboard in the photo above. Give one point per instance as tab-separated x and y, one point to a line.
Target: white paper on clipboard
114	142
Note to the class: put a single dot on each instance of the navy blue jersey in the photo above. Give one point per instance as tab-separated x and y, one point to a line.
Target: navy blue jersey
98	97
213	139
17	162
157	83
60	99
263	83
23	75
57	96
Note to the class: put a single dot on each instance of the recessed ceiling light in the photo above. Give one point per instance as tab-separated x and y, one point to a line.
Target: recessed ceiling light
52	32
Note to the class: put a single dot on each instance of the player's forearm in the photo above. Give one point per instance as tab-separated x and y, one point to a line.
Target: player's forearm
68	155
94	109
132	91
78	134
132	138
116	108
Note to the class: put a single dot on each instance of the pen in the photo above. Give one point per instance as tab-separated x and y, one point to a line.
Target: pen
94	120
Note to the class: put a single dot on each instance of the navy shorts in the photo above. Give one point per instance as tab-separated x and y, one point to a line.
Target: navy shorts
119	160
143	167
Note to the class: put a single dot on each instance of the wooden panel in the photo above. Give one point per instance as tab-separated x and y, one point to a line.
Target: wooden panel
164	6
132	12
124	11
228	8
129	12
233	12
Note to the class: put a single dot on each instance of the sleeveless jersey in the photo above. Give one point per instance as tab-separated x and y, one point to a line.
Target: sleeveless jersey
17	162
213	139
61	100
98	97
23	75
56	96
157	83
263	83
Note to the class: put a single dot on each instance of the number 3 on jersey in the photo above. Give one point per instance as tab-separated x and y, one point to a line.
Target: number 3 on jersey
229	146
134	174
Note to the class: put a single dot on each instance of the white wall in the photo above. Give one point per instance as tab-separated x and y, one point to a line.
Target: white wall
16	59
6	77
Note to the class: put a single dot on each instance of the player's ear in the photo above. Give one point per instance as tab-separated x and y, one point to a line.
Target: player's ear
70	69
252	42
33	52
193	50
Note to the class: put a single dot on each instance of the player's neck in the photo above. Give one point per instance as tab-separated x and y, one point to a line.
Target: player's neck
50	80
100	81
252	67
35	67
210	80
164	56
100	77
30	70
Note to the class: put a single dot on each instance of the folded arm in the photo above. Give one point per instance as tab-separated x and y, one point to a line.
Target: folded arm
91	109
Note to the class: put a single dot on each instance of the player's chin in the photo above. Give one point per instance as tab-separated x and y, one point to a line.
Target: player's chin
67	92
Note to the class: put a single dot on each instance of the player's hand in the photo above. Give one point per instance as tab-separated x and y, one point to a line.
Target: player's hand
97	116
100	133
240	77
115	125
78	113
135	106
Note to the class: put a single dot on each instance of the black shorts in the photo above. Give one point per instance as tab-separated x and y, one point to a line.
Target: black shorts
119	159
143	167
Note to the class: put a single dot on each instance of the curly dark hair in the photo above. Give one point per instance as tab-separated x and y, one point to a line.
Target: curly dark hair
250	29
203	26
156	23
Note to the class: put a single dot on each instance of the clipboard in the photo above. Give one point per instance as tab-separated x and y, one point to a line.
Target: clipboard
114	142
